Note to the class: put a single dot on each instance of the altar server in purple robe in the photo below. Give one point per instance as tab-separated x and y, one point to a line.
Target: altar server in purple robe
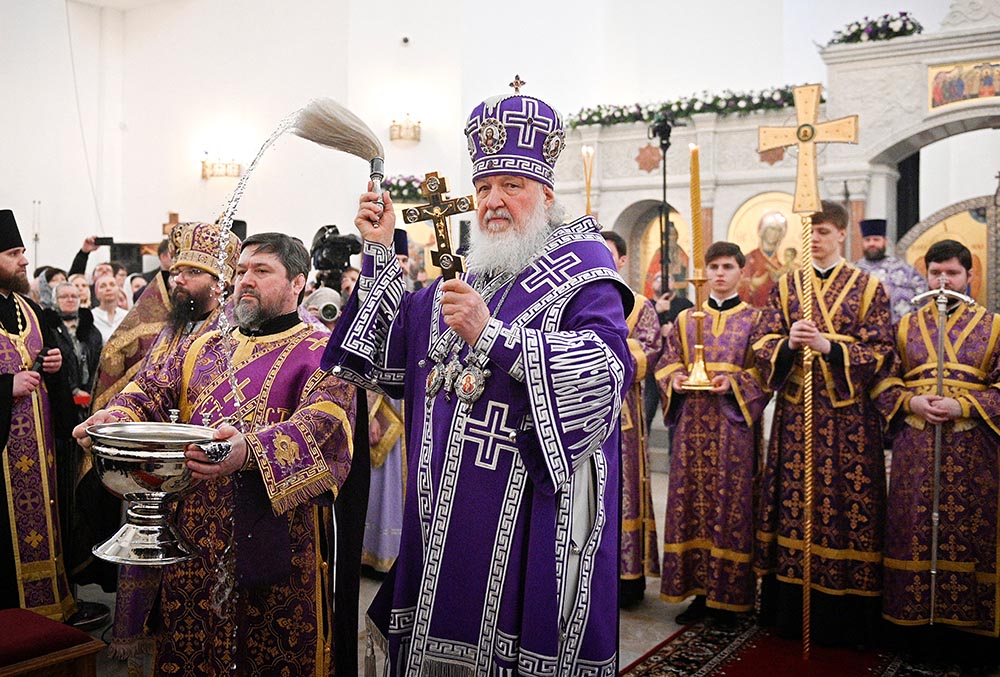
32	570
716	447
969	414
254	600
640	556
851	332
513	377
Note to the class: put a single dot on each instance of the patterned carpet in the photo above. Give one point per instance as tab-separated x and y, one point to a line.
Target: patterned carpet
747	650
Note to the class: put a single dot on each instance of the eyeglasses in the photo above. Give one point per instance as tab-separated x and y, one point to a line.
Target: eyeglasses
188	273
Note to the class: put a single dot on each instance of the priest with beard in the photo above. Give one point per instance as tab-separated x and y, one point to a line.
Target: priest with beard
513	376
33	399
194	310
901	280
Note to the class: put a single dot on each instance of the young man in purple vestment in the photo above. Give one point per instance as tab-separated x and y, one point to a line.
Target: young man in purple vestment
969	415
716	443
32	570
513	377
640	546
851	334
255	598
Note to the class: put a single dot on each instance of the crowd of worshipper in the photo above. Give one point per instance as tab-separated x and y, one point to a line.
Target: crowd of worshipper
480	442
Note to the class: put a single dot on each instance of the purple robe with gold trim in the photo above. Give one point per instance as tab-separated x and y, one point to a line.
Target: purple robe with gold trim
639	550
508	561
299	423
716	441
29	476
968	557
852	310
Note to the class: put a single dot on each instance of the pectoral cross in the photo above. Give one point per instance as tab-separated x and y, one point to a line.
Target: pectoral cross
438	209
806	134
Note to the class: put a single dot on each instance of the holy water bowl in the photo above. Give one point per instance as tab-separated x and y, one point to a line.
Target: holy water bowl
143	463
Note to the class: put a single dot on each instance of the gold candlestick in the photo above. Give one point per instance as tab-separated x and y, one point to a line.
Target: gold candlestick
698	376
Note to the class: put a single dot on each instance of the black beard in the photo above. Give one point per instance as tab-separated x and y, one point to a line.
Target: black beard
17	282
875	255
186	309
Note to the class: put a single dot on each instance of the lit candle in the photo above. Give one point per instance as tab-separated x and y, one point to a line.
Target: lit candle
697	246
588	170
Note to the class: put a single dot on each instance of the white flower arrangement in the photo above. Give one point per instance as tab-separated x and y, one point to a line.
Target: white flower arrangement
885	27
726	103
403	188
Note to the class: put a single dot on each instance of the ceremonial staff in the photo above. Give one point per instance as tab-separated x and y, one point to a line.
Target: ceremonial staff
941	296
805	135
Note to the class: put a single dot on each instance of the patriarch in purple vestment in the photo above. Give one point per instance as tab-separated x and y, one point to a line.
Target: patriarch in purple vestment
716	444
513	378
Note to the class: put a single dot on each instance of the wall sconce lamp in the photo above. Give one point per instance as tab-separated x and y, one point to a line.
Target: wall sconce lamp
211	169
407	130
588	170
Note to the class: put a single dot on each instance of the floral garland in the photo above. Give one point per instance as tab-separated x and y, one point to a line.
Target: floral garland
403	188
726	103
886	27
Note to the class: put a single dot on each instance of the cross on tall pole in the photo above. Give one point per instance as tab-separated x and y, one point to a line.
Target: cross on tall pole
806	134
438	208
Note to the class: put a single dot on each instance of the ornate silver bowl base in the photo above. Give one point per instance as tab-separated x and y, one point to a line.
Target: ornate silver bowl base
143	463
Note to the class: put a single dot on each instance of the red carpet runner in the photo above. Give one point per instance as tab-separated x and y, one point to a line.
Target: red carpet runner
703	650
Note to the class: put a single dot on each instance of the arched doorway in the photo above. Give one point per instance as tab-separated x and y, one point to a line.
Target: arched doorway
639	224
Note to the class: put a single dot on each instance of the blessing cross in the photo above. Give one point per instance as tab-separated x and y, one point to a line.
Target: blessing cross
806	134
438	209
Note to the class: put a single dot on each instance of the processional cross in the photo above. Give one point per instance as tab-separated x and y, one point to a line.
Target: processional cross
438	209
806	134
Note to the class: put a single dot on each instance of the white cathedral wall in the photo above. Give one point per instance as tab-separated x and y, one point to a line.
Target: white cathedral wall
164	82
43	155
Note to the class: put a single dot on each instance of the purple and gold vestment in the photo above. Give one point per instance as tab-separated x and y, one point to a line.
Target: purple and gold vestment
509	555
851	309
968	557
716	441
299	423
640	548
29	477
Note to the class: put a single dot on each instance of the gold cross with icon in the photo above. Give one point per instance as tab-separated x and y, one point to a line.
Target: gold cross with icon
806	134
438	209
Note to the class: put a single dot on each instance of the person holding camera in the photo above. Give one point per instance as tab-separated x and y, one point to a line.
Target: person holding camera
324	304
31	390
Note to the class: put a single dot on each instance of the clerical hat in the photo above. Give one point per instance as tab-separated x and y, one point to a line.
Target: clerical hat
198	247
873	228
515	134
10	236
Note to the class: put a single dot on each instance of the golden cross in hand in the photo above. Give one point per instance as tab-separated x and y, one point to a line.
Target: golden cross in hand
806	134
517	84
438	209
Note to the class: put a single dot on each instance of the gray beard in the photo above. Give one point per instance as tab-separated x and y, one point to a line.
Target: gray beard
509	251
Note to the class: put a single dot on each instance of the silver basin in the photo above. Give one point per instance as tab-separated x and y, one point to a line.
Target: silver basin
143	463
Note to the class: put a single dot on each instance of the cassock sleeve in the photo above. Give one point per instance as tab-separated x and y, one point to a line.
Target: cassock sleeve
368	345
671	362
644	341
769	339
864	357
574	381
985	404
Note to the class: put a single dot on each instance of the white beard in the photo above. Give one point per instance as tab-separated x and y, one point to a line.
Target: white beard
510	250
